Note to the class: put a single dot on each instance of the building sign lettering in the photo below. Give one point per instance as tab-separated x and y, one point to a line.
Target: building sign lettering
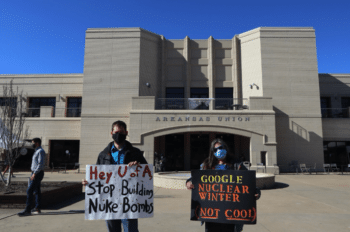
193	119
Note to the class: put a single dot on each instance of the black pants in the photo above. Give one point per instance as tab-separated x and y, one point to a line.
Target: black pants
219	227
34	187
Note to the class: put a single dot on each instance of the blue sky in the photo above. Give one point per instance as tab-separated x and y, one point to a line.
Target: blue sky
47	36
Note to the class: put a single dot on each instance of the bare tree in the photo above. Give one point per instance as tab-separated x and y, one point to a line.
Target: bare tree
12	132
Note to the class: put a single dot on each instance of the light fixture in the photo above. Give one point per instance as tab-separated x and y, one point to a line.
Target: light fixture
252	85
148	85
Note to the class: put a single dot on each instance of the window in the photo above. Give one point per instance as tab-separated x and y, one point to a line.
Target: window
223	98
199	93
326	110
9	102
174	98
175	93
36	102
74	107
345	104
336	152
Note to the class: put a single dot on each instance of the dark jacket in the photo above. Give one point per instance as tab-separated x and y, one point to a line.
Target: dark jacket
131	154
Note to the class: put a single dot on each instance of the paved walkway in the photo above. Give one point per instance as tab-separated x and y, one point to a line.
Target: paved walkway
300	203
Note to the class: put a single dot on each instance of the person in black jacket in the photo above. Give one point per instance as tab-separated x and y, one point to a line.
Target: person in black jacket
120	151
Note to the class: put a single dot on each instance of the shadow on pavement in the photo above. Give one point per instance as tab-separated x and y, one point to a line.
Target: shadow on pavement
67	202
278	185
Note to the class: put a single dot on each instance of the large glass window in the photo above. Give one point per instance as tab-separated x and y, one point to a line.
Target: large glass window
199	104
345	104
175	93
199	93
74	106
174	99
336	152
326	107
36	102
9	102
223	98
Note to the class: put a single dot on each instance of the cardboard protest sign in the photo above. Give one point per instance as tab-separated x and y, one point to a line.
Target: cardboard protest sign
224	196
119	192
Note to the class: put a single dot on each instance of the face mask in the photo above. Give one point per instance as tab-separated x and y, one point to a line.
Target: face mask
220	154
34	146
119	138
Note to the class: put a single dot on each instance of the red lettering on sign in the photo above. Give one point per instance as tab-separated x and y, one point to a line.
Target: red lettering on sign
109	174
214	188
101	175
210	213
125	169
201	187
237	190
147	170
245	189
229	188
203	195
222	196
93	173
221	188
212	196
235	198
208	187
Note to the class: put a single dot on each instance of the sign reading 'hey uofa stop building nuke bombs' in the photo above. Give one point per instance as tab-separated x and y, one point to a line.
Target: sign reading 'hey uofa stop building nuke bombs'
224	196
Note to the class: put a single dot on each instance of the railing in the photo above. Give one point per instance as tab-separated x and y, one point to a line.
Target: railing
201	103
52	112
32	112
335	112
68	112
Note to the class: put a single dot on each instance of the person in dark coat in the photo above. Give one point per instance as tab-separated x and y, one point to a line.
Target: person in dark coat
219	159
120	151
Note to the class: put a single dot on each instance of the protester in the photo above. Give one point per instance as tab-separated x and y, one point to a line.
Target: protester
120	151
34	183
220	159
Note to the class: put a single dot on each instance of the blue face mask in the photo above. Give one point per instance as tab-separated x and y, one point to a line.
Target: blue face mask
220	153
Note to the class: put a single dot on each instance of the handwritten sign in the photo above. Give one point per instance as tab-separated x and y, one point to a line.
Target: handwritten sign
119	192
224	196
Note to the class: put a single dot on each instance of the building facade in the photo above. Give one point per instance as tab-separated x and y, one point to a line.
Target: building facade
259	91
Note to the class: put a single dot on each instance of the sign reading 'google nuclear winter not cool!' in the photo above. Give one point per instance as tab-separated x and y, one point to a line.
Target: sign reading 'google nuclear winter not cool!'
119	192
224	196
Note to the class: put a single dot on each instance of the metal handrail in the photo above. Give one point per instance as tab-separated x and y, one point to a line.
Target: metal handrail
335	112
201	103
56	112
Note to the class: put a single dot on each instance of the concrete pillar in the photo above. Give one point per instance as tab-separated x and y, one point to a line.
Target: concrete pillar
163	65
236	69
211	79
187	57
187	151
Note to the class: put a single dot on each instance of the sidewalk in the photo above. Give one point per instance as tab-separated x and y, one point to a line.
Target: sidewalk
301	203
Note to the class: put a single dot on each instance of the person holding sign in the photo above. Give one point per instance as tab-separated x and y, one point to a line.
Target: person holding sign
219	159
120	151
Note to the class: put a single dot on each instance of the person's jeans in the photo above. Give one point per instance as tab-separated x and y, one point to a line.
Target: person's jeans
129	225
34	187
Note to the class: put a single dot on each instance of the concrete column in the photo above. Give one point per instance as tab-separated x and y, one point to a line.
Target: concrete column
211	79
236	68
187	56
163	65
187	151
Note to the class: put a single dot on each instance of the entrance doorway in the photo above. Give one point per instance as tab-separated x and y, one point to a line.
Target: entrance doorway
187	151
199	149
64	153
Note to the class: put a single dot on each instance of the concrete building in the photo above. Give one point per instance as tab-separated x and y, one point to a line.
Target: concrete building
260	91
